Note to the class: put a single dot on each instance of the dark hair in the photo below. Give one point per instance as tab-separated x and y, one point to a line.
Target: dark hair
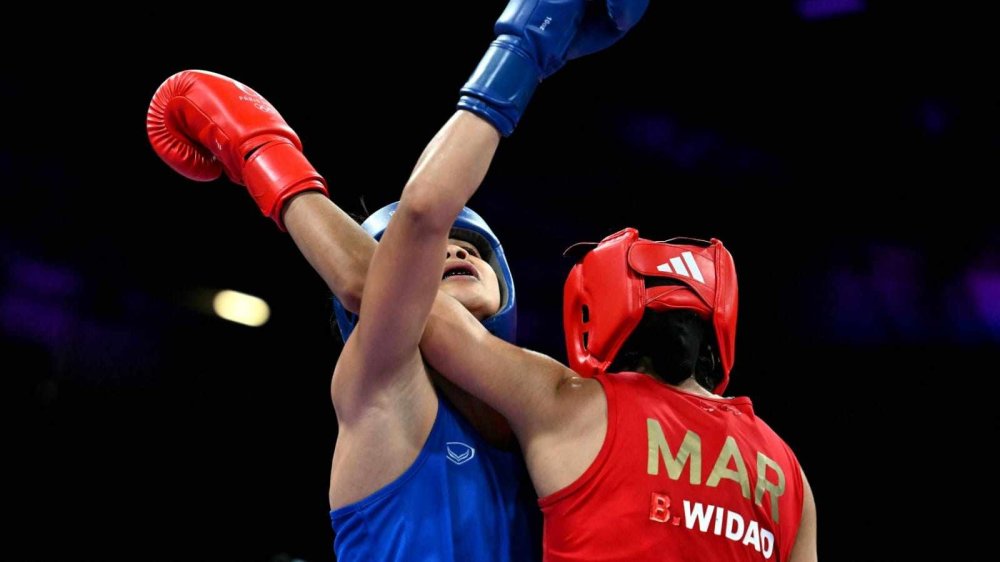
675	345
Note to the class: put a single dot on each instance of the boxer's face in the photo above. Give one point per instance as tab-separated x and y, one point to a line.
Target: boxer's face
470	280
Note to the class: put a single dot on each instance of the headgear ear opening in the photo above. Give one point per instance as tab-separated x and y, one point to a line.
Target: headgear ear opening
471	227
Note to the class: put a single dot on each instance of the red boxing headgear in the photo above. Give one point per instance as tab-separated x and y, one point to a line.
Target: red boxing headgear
606	295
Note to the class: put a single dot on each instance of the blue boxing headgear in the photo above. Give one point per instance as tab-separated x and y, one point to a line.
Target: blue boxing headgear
471	227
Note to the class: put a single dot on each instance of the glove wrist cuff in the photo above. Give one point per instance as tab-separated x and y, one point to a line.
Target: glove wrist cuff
502	84
277	171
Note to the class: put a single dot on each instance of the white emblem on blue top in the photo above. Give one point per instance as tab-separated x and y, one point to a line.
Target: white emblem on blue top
460	453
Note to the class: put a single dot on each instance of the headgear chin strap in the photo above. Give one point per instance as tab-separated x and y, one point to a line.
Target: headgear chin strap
469	226
606	295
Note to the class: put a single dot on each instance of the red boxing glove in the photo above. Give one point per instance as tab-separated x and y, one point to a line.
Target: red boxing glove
200	123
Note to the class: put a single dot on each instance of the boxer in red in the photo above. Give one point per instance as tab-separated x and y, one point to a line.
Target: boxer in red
634	452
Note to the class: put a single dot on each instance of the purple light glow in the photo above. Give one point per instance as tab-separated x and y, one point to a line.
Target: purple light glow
881	298
694	148
653	133
36	320
984	288
43	279
933	117
658	134
852	312
822	9
897	275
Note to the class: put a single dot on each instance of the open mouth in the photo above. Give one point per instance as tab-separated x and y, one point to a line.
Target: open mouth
460	270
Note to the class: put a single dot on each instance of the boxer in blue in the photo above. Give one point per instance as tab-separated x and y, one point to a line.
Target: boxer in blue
421	470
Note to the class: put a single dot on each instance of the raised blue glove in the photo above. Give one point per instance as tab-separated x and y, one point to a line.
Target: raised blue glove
533	37
604	23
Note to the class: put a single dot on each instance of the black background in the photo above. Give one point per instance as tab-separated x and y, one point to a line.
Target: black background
847	162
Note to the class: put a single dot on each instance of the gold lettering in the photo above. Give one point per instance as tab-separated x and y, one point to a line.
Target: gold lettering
763	484
730	452
658	448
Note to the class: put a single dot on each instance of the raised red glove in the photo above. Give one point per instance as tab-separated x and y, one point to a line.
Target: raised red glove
201	123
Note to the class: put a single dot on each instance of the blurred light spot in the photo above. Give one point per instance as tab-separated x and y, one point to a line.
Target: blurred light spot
241	308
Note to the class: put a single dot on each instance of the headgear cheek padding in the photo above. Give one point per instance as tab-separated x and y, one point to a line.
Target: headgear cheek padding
606	295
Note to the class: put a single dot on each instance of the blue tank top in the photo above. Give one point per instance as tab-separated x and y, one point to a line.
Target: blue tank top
461	500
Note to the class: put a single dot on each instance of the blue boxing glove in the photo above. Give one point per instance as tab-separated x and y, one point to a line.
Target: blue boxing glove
604	23
533	37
